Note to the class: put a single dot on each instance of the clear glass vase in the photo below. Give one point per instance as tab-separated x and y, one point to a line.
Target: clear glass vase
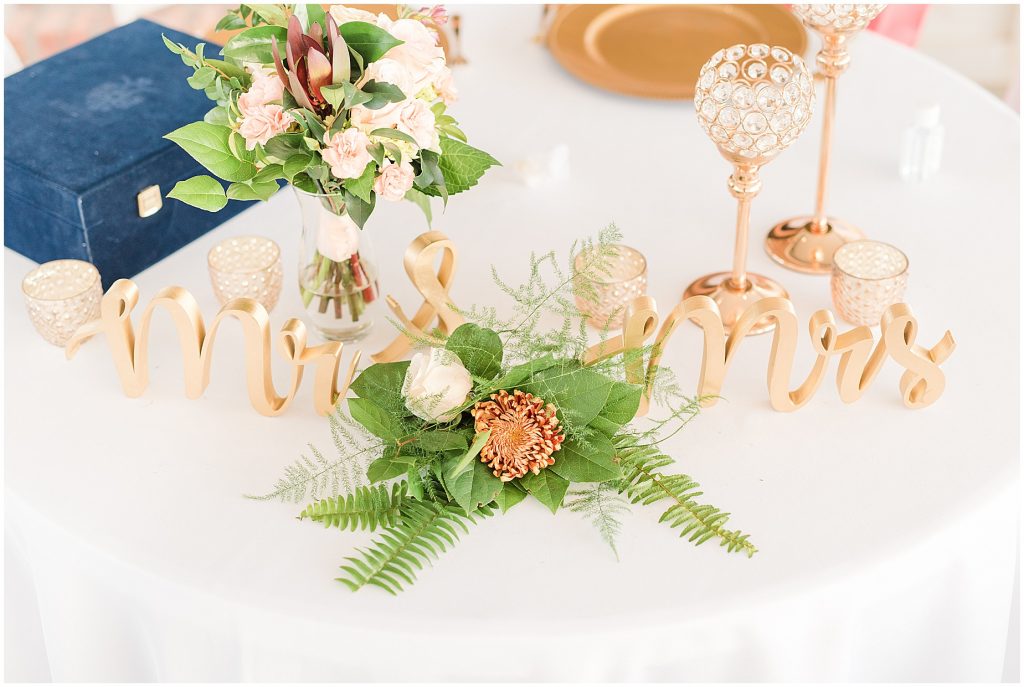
338	275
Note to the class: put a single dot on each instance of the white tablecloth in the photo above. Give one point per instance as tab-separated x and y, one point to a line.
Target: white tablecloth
887	536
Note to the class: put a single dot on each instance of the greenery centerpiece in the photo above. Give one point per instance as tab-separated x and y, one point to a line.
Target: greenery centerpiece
500	412
348	107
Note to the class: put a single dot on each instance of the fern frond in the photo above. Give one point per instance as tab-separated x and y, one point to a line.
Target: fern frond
427	529
602	505
319	476
364	508
644	484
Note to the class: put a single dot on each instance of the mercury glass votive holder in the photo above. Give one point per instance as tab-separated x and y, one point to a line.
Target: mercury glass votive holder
616	279
246	267
867	277
61	296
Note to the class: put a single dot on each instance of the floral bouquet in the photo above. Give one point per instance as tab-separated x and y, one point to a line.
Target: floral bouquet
346	106
499	412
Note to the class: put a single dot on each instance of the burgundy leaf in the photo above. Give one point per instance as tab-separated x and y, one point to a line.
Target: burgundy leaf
299	93
277	61
319	72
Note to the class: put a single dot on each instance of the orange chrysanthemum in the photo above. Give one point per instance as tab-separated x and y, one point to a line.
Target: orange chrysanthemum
524	433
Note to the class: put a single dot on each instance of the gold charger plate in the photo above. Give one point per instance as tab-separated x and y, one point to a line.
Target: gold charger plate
656	51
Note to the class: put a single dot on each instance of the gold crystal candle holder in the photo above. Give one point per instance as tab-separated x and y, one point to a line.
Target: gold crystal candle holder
806	243
621	278
867	277
61	296
753	102
246	267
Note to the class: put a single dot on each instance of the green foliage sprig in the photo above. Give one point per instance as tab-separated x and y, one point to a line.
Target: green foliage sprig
428	481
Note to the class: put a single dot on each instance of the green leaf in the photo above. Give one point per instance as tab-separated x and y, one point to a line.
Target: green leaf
547	487
202	78
578	393
309	15
230	22
252	190
474	450
592	460
208	145
303	182
362	186
620	408
382	384
253	45
311	122
369	41
509	496
376	420
217	115
172	46
422	201
471	488
395	134
231	70
284	146
462	165
358	209
415	483
441	441
388	466
272	14
382	94
271	172
203	192
296	163
521	373
478	348
354	96
335	95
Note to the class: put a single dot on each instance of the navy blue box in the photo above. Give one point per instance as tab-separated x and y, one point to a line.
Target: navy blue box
83	136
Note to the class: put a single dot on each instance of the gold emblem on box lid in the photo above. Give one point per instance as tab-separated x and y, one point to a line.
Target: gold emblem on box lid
150	201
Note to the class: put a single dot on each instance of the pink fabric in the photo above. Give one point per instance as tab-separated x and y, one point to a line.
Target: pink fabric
902	23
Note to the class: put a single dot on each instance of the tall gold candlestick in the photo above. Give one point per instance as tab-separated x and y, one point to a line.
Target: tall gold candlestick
807	244
752	101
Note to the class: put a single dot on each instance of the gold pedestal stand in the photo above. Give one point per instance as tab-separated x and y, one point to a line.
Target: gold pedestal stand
807	244
737	290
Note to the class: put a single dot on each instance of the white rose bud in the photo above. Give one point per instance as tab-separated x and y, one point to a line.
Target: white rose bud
436	383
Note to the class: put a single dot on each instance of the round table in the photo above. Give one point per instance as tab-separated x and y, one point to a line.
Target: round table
887	536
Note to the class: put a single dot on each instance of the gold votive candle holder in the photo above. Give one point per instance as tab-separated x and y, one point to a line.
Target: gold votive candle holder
616	279
867	277
61	296
246	267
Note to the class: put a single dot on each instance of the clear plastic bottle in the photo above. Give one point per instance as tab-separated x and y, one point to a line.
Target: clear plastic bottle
921	154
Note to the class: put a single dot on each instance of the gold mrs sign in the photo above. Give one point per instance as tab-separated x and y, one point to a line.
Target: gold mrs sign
860	358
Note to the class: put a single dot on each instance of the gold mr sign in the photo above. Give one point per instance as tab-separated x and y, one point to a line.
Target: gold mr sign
860	358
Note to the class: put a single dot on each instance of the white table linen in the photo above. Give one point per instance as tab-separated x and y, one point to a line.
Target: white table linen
887	536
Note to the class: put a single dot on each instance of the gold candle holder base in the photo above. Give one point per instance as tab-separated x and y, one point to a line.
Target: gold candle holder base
797	245
733	300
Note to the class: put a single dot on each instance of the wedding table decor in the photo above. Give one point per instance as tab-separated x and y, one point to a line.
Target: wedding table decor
886	536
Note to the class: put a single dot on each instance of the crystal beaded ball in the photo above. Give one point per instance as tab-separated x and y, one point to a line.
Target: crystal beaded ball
754	101
839	18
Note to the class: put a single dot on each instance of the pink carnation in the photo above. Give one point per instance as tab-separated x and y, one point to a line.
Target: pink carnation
263	123
346	153
394	180
265	89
